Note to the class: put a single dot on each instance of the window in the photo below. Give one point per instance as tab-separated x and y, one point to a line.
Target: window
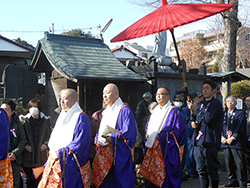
172	48
144	55
210	42
211	56
248	37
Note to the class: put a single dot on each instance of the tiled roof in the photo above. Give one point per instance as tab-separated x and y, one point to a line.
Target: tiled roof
82	58
223	76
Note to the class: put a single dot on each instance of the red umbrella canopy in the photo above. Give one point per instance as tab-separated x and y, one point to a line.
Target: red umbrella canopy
169	16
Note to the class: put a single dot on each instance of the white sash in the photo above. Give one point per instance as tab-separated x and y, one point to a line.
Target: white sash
63	132
110	115
156	122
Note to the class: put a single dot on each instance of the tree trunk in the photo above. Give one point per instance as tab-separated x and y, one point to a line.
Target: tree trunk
231	24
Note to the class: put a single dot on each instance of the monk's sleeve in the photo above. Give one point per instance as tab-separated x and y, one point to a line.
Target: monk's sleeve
127	129
122	145
80	145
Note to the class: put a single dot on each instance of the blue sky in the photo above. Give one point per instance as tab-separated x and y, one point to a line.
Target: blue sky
38	15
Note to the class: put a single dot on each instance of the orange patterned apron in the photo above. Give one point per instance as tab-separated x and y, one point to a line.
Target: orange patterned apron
6	176
52	174
84	170
102	163
104	159
180	148
153	166
52	177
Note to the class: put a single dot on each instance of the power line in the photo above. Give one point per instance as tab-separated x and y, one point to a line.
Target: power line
63	30
12	31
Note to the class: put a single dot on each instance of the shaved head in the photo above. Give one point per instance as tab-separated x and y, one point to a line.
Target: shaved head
110	94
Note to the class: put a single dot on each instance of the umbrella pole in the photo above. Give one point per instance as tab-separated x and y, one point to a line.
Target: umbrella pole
181	67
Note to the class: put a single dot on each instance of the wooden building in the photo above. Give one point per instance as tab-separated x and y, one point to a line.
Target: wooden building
13	53
86	65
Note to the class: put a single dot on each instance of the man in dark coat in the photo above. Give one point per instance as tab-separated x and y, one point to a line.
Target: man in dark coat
207	135
17	140
233	143
94	127
141	113
190	161
247	150
37	130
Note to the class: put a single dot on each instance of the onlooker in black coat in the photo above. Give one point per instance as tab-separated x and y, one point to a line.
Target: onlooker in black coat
37	130
17	140
140	113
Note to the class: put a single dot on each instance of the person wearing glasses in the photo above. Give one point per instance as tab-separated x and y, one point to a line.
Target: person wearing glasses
233	142
165	136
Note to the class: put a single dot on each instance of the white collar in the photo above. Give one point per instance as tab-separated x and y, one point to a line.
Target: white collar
156	122
63	131
110	116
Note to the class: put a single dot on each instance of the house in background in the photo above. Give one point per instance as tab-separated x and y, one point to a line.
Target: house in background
244	71
86	65
210	40
139	50
243	48
213	42
12	53
123	54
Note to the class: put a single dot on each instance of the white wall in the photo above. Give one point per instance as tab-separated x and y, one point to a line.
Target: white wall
123	54
6	46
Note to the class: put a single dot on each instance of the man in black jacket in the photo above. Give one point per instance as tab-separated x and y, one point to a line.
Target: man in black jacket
206	138
247	150
233	142
141	113
17	140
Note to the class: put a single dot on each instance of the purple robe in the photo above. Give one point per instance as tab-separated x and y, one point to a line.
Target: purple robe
122	174
175	123
80	145
4	134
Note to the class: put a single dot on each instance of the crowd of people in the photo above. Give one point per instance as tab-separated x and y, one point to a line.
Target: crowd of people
70	150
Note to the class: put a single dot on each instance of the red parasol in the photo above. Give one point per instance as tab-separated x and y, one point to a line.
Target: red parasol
169	16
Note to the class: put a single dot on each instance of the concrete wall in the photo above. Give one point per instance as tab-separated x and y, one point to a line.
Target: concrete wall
174	83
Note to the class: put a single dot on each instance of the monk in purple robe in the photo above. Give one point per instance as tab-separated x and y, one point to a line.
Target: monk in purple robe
69	144
4	134
6	176
113	163
165	135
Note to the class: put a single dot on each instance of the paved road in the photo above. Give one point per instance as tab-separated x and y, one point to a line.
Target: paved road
194	182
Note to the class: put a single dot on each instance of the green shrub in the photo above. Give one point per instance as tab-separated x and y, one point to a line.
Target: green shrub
20	110
240	89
